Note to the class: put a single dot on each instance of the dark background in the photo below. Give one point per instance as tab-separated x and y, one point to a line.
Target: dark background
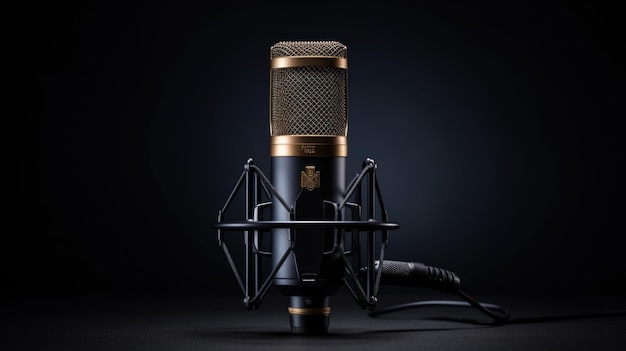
494	128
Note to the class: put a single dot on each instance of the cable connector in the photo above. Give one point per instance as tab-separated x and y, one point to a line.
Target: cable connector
415	274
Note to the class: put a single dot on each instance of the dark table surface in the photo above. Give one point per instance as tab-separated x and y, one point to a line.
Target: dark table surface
222	323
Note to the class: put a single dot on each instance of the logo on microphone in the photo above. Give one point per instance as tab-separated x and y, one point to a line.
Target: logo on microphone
310	178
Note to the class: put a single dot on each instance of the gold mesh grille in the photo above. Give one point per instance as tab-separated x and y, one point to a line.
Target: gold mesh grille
309	100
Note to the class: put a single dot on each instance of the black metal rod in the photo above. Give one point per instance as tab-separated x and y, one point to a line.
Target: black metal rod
371	247
273	190
234	192
268	225
360	297
355	184
265	190
356	236
354	294
249	234
384	214
255	243
379	196
269	280
371	254
381	258
233	267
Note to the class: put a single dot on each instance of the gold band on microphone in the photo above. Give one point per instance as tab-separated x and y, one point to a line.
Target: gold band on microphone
309	146
308	61
323	311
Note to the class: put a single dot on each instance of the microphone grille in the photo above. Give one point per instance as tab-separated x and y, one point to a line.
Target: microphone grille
308	48
308	99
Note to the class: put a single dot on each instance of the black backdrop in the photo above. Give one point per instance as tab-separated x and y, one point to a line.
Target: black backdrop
494	127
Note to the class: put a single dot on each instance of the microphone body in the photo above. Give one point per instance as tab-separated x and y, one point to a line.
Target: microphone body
313	270
308	127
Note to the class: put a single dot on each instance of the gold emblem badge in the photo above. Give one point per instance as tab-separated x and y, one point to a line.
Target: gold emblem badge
310	178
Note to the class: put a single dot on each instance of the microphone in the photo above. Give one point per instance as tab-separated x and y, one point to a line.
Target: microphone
315	251
308	128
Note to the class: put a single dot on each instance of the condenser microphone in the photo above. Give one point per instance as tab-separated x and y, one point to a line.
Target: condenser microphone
308	128
315	250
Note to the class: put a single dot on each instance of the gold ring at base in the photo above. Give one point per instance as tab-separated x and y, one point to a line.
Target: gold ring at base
324	311
309	146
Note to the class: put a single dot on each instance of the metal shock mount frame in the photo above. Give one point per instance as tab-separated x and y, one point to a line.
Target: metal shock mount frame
254	287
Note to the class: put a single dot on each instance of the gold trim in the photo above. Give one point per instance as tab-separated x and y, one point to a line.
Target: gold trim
309	146
308	61
325	311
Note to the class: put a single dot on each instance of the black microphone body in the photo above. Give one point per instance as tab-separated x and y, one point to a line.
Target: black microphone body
313	272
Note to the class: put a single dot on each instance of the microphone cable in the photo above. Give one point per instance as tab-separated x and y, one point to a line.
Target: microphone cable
499	314
415	274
